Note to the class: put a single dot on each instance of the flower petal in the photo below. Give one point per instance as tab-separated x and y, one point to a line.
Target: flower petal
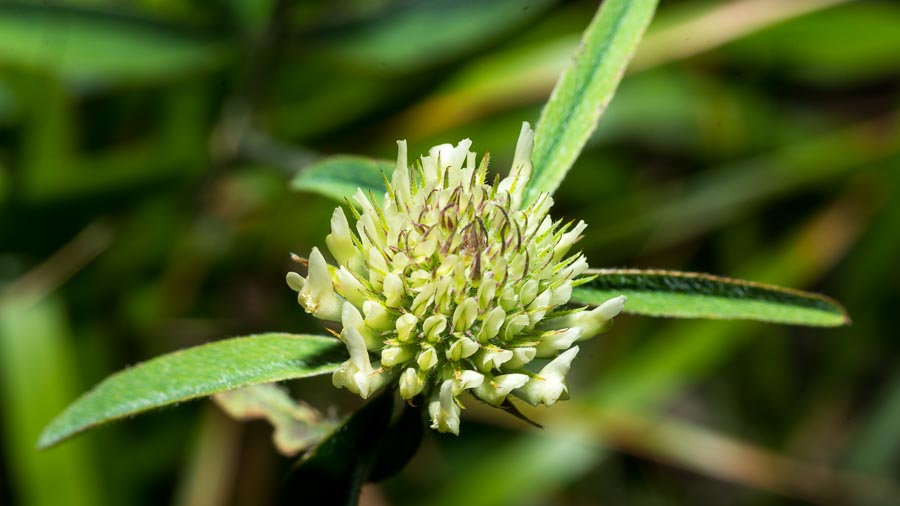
549	384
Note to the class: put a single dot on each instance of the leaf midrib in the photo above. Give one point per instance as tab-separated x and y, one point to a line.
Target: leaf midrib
581	88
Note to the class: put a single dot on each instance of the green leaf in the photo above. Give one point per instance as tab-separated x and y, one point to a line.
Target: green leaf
339	176
584	90
92	45
196	372
399	445
691	295
334	472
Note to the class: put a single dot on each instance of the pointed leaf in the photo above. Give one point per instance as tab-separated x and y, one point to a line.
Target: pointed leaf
197	372
584	90
339	176
691	295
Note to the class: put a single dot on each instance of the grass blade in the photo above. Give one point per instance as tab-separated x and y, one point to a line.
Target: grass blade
196	372
584	90
691	295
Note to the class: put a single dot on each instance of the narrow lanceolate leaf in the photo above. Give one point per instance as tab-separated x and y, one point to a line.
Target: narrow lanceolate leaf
197	372
690	295
338	177
584	90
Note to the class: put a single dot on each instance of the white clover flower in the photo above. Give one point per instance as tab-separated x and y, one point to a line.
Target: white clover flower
451	285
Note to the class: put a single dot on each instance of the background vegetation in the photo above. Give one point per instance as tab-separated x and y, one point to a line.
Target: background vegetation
146	149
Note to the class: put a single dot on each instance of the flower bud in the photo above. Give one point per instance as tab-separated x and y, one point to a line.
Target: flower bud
393	290
567	240
561	294
467	379
427	359
491	324
377	316
465	315
462	348
394	355
423	300
340	240
406	324
589	323
521	356
528	291
295	281
494	391
317	295
493	358
555	340
351	319
434	327
515	325
411	384
549	384
357	374
486	293
443	410
350	287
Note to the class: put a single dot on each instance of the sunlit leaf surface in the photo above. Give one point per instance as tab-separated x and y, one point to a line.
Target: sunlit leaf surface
197	372
584	90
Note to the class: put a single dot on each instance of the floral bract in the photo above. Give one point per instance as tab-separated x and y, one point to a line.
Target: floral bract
453	285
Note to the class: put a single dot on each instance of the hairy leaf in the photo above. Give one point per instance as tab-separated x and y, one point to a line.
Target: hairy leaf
584	90
196	372
691	295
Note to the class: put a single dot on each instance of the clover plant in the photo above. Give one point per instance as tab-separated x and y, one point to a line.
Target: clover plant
450	284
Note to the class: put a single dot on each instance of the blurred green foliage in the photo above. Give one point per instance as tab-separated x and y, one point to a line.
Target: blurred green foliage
146	154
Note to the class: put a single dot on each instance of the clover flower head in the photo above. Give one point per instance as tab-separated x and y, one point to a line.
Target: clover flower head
453	284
